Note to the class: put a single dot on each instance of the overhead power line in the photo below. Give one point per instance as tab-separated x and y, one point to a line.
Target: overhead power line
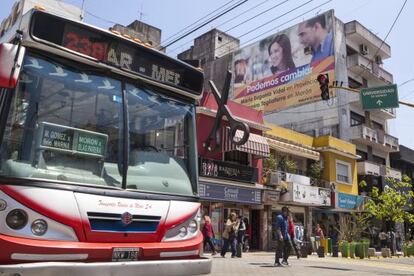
284	23
225	22
192	24
385	38
202	25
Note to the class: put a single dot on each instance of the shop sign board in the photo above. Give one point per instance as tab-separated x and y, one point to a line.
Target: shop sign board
230	193
225	170
307	195
348	201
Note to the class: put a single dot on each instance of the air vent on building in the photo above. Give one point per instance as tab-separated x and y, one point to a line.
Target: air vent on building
363	49
378	60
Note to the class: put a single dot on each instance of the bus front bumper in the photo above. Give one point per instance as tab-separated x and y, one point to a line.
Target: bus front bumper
165	267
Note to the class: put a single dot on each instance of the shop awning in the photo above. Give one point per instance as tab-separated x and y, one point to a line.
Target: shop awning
293	149
256	144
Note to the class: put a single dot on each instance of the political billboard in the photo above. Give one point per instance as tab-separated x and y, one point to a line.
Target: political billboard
280	71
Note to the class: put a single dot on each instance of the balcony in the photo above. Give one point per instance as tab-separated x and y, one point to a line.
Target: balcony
390	172
368	168
389	141
306	195
279	177
358	34
376	138
362	66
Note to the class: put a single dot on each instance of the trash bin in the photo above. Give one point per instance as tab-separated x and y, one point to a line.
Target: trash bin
335	249
352	246
345	249
321	252
304	249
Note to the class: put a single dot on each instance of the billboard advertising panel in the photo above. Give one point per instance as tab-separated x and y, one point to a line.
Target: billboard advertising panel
280	71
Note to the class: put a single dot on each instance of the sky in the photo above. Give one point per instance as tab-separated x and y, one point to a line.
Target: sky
173	16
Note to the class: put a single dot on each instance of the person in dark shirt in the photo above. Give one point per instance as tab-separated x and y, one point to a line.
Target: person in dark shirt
283	239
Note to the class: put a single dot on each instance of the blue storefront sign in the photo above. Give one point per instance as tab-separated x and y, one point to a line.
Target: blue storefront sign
347	201
218	192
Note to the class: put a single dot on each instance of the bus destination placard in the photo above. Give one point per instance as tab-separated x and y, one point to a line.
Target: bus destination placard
68	139
116	51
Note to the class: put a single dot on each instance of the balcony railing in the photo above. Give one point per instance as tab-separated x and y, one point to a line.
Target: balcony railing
364	132
368	168
390	172
359	61
375	137
276	178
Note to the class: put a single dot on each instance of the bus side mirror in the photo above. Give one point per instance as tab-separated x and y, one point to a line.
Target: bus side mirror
11	58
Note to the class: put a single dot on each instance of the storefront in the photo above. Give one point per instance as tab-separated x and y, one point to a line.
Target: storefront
219	199
301	199
230	174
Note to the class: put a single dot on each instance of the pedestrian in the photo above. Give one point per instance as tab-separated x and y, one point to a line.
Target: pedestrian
247	234
240	236
229	235
283	241
319	235
293	236
383	237
208	234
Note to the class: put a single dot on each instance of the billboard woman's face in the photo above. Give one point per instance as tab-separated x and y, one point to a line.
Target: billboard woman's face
276	55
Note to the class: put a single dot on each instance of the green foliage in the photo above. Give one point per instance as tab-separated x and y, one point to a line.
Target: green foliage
352	226
363	184
288	165
392	204
315	170
269	164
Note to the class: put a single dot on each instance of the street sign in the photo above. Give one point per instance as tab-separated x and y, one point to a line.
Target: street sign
379	97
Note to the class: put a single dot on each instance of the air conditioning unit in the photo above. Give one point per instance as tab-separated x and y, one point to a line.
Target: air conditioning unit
378	60
363	49
275	179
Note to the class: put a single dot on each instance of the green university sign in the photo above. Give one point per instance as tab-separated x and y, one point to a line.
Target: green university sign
379	97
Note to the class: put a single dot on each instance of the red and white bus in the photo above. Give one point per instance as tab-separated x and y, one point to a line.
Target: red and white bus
98	168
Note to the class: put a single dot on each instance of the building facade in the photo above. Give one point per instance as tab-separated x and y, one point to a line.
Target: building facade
230	176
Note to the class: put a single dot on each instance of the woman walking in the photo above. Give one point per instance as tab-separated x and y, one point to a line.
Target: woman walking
208	234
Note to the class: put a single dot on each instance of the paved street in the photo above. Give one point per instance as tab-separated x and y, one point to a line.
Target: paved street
261	263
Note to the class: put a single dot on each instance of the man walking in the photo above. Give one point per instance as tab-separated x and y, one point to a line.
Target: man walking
283	239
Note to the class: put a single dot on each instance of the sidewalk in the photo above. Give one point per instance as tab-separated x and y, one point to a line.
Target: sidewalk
261	263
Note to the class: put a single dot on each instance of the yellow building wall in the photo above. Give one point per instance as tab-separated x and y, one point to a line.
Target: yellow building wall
289	134
329	157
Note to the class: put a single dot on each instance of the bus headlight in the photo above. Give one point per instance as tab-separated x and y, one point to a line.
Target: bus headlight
16	219
192	226
3	205
184	231
39	227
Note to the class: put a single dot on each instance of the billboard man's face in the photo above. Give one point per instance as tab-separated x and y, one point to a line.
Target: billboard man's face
307	35
276	55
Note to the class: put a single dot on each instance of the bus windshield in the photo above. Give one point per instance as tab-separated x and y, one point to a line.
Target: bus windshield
66	124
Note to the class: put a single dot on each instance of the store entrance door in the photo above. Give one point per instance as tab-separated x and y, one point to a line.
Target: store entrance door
255	228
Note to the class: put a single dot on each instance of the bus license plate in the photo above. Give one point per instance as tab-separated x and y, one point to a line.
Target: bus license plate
125	254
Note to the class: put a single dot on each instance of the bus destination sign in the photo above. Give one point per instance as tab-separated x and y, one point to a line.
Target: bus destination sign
115	51
63	138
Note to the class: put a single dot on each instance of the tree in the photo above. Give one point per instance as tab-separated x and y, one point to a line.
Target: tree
353	225
315	173
393	203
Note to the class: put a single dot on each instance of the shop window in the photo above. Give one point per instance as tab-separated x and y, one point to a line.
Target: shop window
343	172
357	119
238	157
